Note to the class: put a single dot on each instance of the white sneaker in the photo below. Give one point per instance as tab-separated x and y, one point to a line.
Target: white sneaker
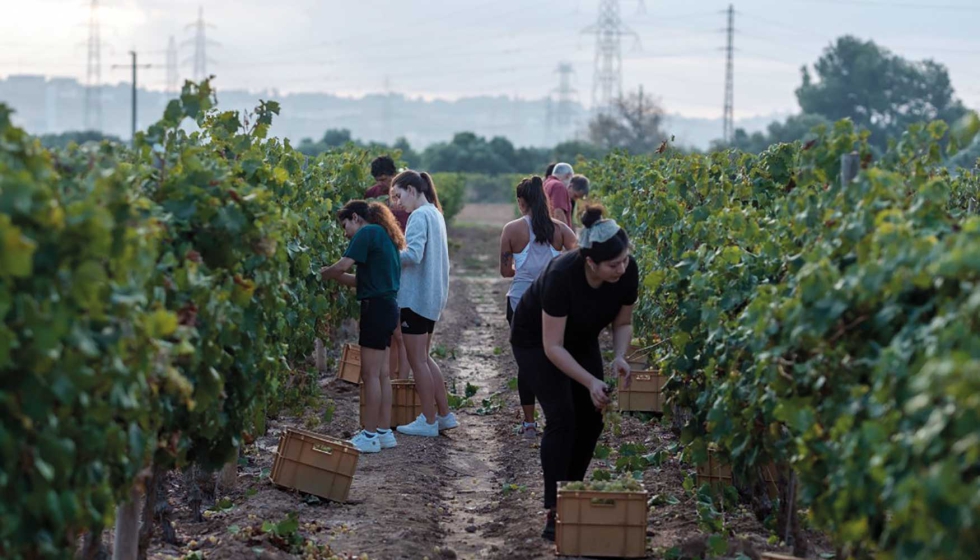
387	439
447	422
366	444
420	427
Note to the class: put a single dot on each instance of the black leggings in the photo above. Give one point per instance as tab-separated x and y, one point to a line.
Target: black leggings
523	386
572	423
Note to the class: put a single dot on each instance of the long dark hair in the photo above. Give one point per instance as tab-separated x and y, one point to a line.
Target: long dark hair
609	249
421	182
531	191
377	214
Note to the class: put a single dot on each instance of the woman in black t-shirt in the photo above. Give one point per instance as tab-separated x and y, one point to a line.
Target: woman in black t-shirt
555	338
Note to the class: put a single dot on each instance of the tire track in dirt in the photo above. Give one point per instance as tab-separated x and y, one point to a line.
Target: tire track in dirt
471	497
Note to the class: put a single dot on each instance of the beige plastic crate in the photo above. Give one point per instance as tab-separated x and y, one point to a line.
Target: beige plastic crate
604	524
718	474
405	403
315	464
350	364
645	393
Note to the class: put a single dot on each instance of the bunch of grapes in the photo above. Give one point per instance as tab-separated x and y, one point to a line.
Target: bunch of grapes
625	483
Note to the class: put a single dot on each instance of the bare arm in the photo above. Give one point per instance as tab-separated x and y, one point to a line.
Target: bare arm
569	241
506	255
622	329
553	338
560	215
338	272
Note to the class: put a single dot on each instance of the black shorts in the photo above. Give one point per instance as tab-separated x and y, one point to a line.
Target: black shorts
510	312
379	319
413	323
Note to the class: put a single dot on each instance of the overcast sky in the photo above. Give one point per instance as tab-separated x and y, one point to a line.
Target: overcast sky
456	48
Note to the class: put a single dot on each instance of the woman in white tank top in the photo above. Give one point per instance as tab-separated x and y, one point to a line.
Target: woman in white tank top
527	245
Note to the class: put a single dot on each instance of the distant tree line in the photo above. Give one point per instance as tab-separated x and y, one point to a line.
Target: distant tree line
466	152
61	141
879	91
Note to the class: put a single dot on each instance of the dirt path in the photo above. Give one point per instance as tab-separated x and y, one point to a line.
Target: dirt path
474	492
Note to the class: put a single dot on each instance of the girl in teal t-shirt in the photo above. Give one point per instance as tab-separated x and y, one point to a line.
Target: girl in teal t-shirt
376	239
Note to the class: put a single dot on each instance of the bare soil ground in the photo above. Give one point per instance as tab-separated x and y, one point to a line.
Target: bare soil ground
487	215
474	492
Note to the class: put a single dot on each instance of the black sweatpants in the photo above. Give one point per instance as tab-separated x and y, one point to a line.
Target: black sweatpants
572	423
523	385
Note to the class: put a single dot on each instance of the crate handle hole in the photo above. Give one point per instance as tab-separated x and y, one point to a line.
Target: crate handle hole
323	449
603	502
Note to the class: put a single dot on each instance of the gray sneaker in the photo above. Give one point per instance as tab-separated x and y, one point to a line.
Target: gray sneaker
420	427
387	439
530	431
447	422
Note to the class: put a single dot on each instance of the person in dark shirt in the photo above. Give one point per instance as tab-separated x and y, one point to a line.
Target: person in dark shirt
383	170
555	339
375	242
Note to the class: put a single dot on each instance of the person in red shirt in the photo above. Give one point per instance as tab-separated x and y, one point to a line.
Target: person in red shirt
562	194
383	170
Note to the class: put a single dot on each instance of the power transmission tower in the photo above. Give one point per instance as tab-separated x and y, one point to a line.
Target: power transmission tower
609	29
729	115
93	74
172	78
563	112
200	42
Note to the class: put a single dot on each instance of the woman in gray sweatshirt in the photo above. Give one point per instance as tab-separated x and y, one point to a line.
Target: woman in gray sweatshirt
423	295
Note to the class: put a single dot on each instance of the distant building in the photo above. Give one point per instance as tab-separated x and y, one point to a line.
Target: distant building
26	93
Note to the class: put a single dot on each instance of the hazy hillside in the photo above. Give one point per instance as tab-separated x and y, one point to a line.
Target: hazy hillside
57	105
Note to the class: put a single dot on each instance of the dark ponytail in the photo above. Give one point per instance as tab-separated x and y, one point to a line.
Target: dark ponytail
531	191
609	249
421	182
377	214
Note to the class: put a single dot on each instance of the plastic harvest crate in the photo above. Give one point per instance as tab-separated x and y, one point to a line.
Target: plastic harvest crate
405	403
606	524
718	474
315	464
636	358
645	393
350	364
